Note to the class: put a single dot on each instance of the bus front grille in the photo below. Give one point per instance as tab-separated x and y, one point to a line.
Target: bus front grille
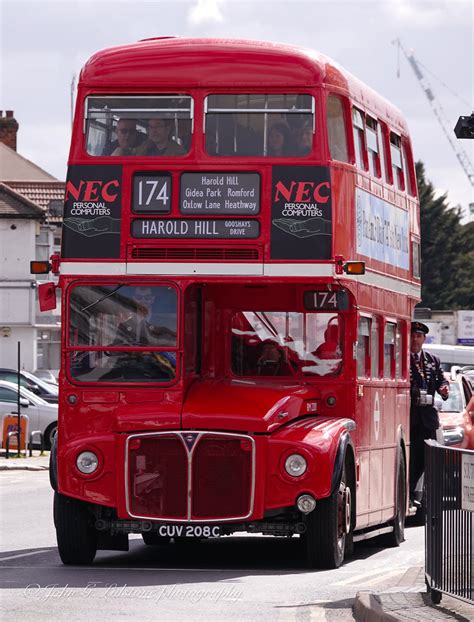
190	476
200	253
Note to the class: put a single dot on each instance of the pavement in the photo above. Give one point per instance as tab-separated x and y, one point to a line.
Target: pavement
37	462
406	606
409	606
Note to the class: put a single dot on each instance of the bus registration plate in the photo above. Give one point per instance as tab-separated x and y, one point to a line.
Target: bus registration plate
189	531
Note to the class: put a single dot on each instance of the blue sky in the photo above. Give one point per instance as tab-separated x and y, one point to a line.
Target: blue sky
44	44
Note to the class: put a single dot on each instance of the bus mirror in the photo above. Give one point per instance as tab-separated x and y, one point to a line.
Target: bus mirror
47	296
343	302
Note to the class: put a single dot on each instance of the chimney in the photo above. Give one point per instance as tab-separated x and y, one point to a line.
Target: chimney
8	129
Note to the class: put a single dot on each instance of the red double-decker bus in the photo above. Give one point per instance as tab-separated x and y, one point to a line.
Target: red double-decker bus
239	267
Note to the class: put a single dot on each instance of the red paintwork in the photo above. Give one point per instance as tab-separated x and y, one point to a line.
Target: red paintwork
254	406
104	416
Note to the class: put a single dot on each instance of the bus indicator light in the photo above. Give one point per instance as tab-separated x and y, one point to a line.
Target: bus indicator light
40	267
354	267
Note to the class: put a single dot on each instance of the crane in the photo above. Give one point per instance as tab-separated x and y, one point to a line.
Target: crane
439	113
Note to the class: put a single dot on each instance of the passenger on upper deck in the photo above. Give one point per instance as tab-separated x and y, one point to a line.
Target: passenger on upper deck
304	139
127	139
279	139
159	142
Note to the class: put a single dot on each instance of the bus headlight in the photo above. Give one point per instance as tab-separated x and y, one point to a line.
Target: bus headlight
87	462
295	465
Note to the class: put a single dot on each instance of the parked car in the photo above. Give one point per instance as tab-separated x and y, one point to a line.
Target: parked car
456	422
47	375
42	415
468	371
450	355
37	386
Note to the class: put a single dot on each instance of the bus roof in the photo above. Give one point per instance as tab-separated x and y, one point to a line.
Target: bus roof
181	63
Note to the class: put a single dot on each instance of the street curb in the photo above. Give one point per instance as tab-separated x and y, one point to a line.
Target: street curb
368	608
26	467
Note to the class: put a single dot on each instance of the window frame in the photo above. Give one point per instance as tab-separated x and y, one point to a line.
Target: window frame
392	323
373	154
375	344
367	349
344	105
87	120
358	132
398	176
70	349
207	110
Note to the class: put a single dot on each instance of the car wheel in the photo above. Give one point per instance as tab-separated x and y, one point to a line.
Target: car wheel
76	536
49	435
328	527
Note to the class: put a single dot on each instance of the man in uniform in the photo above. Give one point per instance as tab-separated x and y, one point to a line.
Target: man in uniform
426	377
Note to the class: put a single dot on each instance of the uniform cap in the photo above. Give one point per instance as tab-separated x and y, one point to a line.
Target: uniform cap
419	327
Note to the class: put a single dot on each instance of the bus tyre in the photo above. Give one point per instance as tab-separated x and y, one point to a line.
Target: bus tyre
328	527
397	536
49	435
151	538
77	538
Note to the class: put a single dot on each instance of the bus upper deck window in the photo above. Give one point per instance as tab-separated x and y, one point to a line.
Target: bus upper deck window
408	169
254	124
359	138
142	125
372	146
397	168
384	167
337	135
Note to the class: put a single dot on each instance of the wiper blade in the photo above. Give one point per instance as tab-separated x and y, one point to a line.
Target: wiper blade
96	302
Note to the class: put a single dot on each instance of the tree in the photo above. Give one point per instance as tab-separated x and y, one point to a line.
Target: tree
447	251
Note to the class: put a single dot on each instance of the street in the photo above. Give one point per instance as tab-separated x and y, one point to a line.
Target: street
235	578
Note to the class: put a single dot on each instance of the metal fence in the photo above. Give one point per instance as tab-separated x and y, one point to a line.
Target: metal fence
449	527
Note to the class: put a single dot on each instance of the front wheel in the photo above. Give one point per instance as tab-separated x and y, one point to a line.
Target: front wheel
328	527
49	435
397	536
77	538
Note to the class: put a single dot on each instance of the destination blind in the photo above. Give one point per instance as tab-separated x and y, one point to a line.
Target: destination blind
191	228
220	193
